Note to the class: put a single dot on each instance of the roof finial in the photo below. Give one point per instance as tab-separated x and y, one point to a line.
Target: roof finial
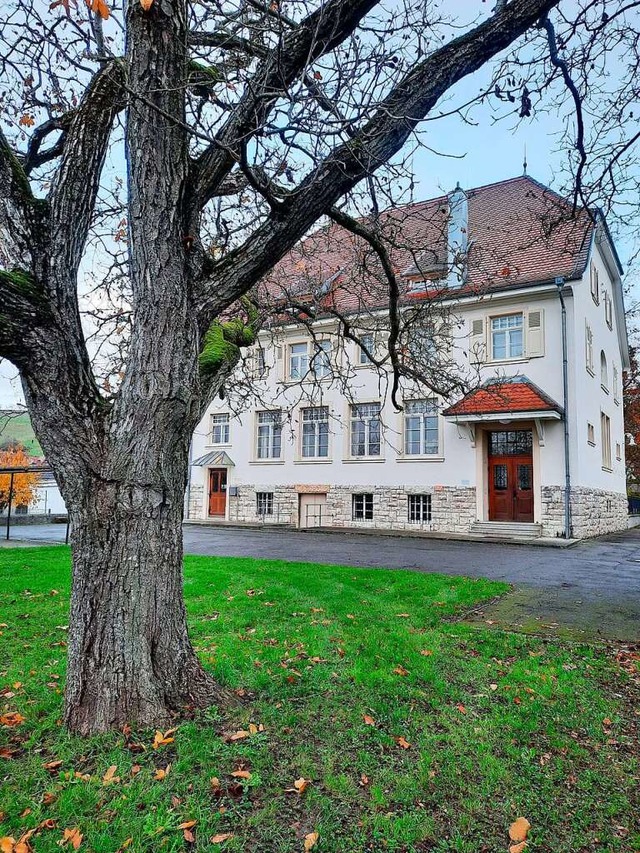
524	163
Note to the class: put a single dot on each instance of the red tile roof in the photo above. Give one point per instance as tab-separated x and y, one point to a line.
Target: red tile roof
520	232
504	396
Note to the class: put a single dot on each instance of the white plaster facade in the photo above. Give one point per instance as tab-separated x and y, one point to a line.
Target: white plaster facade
314	492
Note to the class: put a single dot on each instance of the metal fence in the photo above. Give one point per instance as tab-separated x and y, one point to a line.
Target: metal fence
12	471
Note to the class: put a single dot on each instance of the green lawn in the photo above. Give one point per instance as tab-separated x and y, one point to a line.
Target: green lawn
498	724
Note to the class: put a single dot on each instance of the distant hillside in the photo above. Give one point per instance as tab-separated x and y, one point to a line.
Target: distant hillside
16	427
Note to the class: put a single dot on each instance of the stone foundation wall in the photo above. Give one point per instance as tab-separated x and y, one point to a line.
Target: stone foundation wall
593	512
243	507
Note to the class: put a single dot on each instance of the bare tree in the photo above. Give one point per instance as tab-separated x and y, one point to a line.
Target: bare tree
240	125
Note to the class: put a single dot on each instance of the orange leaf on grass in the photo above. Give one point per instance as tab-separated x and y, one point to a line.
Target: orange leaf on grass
187	824
220	837
311	840
518	848
369	721
7	843
110	775
161	773
161	739
426	653
400	670
11	719
402	742
241	774
519	829
73	836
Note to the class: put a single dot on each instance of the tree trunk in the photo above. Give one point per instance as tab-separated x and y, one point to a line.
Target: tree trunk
130	658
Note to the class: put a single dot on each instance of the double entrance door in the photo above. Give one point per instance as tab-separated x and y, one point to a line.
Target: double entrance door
217	491
511	475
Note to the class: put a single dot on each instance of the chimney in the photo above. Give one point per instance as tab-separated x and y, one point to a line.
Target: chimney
457	238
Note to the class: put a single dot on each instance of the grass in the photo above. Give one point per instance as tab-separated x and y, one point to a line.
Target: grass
499	724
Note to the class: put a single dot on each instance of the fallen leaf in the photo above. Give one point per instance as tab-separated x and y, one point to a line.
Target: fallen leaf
7	843
517	848
301	785
400	670
493	686
519	829
402	742
461	708
162	773
241	774
188	836
364	779
187	824
369	721
426	653
48	798
220	837
52	766
349	616
73	836
161	739
11	719
311	840
110	775
239	735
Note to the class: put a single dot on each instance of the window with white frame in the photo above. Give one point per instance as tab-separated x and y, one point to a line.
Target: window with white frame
298	360
618	451
421	429
591	434
507	337
260	363
605	437
616	386
315	432
321	361
264	503
588	348
419	508
220	428
362	507
595	283
604	372
269	438
365	429
367	342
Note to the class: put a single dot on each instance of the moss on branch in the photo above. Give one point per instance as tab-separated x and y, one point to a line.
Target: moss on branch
222	344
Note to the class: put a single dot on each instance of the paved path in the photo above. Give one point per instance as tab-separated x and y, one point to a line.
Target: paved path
593	587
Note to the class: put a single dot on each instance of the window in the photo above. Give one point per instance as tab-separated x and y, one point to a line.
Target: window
298	361
269	434
588	345
605	436
618	451
367	342
507	338
264	503
322	359
591	435
608	309
315	432
220	429
365	429
511	442
421	432
604	373
595	284
22	509
419	508
616	386
362	507
260	364
420	347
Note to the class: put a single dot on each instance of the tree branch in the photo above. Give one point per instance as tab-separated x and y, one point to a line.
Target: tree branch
16	207
317	34
374	144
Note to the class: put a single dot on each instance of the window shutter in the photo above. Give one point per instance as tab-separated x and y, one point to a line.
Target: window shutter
477	342
535	333
280	363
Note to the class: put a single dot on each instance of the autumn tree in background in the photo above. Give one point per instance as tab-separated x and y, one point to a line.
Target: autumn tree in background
23	490
162	158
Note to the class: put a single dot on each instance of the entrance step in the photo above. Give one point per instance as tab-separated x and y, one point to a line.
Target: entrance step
507	529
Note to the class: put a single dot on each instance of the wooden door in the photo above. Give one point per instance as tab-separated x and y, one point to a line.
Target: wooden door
511	488
217	491
313	510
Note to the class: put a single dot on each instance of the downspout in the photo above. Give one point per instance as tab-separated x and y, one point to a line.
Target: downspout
565	403
187	496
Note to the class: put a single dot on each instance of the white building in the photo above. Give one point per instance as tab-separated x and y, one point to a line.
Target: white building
324	446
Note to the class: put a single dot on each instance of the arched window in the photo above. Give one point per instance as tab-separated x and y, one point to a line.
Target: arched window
604	373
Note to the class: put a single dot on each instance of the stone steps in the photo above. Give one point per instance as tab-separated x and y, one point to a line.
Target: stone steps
506	529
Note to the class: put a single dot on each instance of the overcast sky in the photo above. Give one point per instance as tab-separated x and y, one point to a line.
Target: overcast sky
484	153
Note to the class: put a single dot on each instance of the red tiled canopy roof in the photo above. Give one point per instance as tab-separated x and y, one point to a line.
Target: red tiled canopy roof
504	396
520	232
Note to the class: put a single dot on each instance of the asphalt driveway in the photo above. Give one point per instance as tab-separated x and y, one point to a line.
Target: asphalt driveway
592	589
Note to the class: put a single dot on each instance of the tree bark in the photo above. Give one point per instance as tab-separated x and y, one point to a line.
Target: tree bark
130	657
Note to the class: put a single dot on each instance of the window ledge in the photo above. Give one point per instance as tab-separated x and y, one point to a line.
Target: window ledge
226	444
608	470
520	360
360	459
420	458
590	371
591	443
313	461
604	388
266	462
